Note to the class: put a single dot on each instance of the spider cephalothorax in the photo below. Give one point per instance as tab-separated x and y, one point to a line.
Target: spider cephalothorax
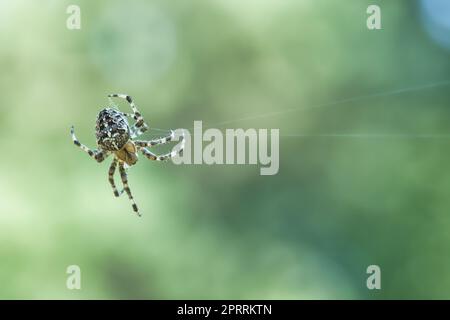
115	136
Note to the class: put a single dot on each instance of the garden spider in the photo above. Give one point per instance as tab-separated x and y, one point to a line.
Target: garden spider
115	136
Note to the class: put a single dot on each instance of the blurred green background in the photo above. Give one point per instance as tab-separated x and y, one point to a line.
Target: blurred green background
377	194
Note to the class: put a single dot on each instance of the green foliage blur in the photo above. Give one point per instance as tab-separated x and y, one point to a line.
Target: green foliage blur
360	183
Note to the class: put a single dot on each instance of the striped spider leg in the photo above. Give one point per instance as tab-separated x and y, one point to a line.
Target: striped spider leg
123	176
140	126
112	170
98	155
142	145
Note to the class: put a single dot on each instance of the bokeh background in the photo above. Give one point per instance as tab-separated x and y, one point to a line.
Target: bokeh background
361	182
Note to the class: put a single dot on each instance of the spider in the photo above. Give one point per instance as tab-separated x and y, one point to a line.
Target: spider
115	136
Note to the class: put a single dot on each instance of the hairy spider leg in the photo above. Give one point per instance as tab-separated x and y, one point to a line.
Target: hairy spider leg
150	155
97	155
140	126
123	176
151	143
112	170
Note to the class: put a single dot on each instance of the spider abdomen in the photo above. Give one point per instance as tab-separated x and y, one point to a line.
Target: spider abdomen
112	130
